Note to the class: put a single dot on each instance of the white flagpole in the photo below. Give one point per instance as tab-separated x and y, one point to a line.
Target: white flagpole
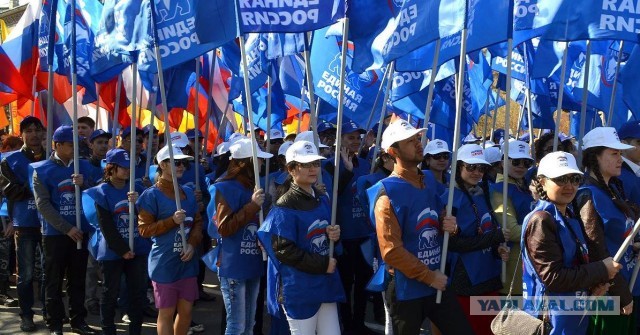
132	155
563	72
373	109
196	127
50	111
151	136
494	115
268	140
614	89
585	96
116	113
455	144
34	93
210	102
383	111
336	161
529	100
486	118
432	82
313	115
76	135
505	148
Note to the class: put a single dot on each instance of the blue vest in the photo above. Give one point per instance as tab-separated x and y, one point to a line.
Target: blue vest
616	228
481	265
417	212
302	292
440	187
533	289
189	177
239	254
57	179
115	201
522	202
23	213
165	265
362	185
350	213
631	184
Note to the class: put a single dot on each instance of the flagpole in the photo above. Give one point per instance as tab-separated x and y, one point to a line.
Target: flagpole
116	113
139	106
614	89
585	97
529	100
252	127
313	115
373	109
494	114
563	72
505	149
209	106
383	111
223	123
455	144
196	127
151	136
50	109
268	133
432	82
336	160
132	154
76	135
33	92
301	107
98	108
486	118
167	130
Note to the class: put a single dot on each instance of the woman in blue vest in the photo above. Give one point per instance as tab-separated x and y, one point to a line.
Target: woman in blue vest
296	235
172	265
519	204
107	209
554	252
437	159
240	265
476	250
608	218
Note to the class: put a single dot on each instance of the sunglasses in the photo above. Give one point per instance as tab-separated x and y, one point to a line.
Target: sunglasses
309	165
527	163
276	141
476	167
574	179
180	162
441	156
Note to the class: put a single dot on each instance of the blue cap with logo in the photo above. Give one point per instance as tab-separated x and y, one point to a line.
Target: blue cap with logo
126	131
119	157
350	127
148	127
630	129
191	134
324	126
99	133
63	134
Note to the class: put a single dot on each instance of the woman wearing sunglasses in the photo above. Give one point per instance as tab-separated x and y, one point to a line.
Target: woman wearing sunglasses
437	159
554	254
172	265
608	218
302	276
235	203
475	246
519	204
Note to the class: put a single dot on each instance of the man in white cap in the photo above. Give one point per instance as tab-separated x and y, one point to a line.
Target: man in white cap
409	226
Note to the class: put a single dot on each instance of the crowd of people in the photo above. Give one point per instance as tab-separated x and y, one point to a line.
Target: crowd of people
265	227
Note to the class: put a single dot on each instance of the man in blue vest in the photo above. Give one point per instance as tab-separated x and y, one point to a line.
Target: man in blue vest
630	134
23	213
141	160
409	226
53	183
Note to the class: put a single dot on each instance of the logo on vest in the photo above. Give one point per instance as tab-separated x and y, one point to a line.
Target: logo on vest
249	244
177	238
121	212
316	234
486	225
428	245
66	191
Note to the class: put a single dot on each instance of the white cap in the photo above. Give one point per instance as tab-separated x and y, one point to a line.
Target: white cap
471	154
222	149
492	154
603	137
435	147
163	154
283	148
302	152
518	150
398	131
489	144
242	149
558	163
307	136
470	138
235	136
274	134
179	139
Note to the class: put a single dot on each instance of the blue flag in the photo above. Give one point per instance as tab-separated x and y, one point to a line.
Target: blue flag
291	74
255	64
288	16
406	83
282	45
531	18
629	79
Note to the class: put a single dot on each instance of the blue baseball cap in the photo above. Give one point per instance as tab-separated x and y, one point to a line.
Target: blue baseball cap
350	127
119	157
99	133
630	129
374	129
324	126
498	134
126	131
191	134
63	134
146	129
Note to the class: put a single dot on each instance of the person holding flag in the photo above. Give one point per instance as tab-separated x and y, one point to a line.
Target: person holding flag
125	143
296	235
555	256
172	266
53	183
437	159
86	126
23	214
236	201
406	212
106	207
607	218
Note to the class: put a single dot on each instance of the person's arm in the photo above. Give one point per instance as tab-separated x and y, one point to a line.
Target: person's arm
149	227
287	252
11	188
460	243
391	246
44	206
195	235
229	222
545	253
344	178
110	231
515	229
596	243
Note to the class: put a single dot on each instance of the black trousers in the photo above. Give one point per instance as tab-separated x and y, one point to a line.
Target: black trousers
407	316
355	273
63	259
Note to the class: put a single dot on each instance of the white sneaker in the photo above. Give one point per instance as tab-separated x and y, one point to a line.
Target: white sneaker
125	319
